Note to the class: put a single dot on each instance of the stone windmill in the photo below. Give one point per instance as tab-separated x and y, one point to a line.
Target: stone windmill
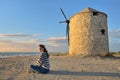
88	33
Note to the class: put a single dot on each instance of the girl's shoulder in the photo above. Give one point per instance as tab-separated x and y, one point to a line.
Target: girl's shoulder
44	53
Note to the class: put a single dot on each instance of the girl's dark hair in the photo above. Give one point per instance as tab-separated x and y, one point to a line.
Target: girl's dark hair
45	50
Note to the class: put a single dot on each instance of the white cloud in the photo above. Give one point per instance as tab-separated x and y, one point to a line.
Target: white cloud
57	38
18	42
15	35
56	44
114	33
16	46
29	43
57	41
114	40
114	36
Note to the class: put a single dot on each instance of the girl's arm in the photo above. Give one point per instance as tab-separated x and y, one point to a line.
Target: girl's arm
40	60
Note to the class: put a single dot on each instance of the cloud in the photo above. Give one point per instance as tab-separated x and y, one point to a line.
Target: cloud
56	44
15	35
57	41
54	41
5	41
57	38
29	43
18	42
114	36
114	33
19	37
16	46
114	40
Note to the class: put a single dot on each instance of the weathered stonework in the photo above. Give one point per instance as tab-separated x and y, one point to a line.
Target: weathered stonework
88	33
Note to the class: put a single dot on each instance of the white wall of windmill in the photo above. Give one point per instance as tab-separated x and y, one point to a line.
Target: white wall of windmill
85	34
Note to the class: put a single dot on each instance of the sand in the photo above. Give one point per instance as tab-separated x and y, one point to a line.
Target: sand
62	68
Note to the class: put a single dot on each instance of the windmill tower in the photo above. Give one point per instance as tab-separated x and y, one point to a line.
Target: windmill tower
88	33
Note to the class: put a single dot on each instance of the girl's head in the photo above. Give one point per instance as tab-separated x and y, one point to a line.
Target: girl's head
43	49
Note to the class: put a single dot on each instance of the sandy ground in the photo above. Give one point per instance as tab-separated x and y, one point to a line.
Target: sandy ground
62	68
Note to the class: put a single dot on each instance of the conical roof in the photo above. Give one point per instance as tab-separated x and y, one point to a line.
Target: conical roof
88	9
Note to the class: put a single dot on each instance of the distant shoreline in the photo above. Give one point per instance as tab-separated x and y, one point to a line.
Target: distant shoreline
15	54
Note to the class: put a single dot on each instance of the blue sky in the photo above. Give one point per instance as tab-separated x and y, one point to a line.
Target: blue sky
26	23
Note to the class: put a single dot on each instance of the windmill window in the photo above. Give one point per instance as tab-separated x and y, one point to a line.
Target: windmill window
103	31
95	13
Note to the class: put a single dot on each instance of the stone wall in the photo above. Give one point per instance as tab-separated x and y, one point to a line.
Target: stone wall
88	34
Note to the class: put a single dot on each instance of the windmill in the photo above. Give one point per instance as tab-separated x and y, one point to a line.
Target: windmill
67	27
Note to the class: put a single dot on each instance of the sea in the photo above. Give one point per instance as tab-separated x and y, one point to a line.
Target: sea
14	54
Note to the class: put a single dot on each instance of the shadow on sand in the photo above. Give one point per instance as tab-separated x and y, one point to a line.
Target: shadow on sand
63	72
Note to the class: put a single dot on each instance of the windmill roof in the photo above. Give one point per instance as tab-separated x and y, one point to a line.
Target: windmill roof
88	9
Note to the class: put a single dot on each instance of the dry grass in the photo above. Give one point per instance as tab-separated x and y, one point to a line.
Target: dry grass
103	54
59	54
115	54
